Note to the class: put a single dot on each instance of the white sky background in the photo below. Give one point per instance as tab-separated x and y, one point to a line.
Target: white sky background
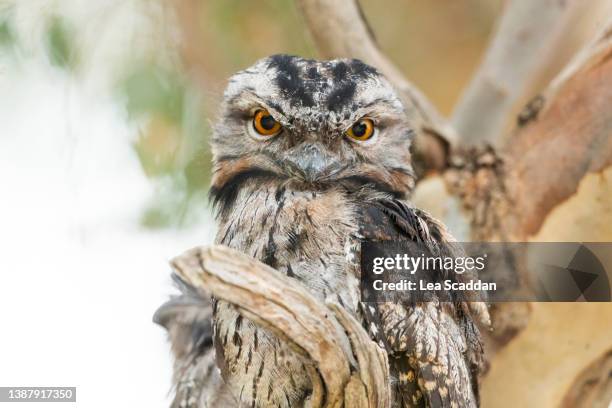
79	279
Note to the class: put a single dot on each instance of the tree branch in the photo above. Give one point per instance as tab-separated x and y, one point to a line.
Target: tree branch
344	364
507	194
522	48
562	135
340	30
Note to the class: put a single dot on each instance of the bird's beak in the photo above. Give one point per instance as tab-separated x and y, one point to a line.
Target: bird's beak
310	162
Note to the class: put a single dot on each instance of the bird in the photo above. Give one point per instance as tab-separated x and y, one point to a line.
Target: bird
311	158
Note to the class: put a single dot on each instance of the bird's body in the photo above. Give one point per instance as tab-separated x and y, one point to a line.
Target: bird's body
310	158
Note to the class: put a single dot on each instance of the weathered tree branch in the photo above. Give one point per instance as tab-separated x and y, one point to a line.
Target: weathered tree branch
339	30
346	367
588	56
562	135
525	42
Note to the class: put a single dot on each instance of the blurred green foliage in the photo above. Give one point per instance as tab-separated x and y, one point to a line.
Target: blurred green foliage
7	36
60	43
173	204
150	88
172	147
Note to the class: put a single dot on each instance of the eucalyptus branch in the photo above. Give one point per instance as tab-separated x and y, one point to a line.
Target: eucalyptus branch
528	33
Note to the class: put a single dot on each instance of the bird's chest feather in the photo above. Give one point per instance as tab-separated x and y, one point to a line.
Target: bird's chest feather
309	236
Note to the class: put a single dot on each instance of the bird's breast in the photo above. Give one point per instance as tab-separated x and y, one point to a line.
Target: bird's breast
310	236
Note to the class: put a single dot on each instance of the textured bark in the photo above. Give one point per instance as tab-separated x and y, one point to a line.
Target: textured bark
344	364
560	136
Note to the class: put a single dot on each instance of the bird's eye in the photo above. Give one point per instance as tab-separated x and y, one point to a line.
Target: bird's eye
362	130
265	124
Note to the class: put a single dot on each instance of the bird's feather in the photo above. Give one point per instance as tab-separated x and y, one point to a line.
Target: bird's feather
434	347
187	317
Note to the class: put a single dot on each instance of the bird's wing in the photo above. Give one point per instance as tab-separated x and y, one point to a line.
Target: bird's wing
188	320
434	347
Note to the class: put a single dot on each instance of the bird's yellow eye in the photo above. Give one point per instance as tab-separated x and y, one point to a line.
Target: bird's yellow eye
362	130
265	124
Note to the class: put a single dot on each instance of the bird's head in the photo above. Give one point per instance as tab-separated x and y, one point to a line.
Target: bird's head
313	125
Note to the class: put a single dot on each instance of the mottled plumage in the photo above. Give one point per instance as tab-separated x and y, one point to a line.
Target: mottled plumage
301	201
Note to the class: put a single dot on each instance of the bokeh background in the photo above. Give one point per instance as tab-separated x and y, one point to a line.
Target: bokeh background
105	112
